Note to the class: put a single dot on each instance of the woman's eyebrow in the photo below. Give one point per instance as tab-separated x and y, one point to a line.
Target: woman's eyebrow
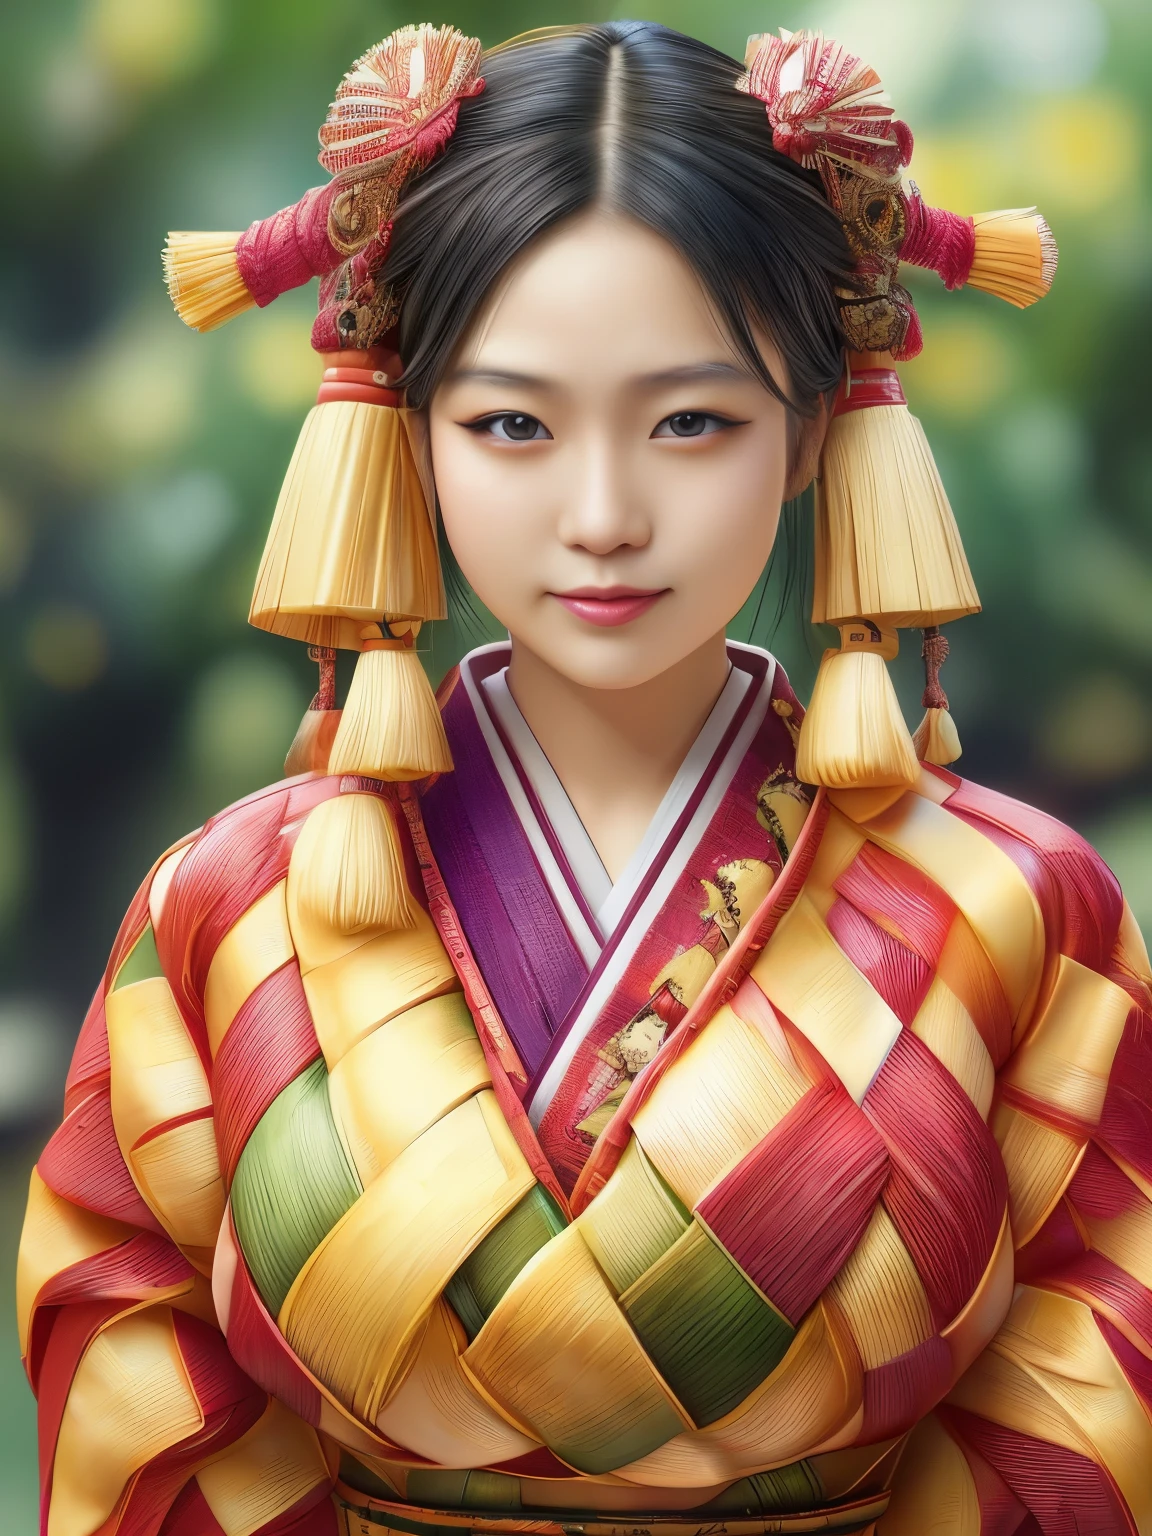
497	376
695	373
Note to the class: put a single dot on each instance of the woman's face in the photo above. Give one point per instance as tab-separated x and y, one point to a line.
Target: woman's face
610	472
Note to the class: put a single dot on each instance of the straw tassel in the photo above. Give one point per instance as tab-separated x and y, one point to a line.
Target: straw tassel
854	734
347	867
1015	255
203	277
390	727
937	739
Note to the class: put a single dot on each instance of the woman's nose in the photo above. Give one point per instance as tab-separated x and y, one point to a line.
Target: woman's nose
603	509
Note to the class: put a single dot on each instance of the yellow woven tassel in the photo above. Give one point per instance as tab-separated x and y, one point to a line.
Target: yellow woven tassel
937	739
348	868
887	544
854	735
203	279
390	727
352	537
312	743
1015	256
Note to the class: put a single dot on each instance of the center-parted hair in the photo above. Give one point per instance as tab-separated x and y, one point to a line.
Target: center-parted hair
633	118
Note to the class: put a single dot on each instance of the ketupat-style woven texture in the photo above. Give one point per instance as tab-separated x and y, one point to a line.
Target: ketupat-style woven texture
791	1247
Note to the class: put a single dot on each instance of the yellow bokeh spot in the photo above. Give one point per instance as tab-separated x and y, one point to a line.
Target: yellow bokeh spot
965	367
275	363
1083	151
1100	728
149	42
66	647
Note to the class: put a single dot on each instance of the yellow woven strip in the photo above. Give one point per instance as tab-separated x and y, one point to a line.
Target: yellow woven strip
1066	1057
881	1296
264	1473
840	842
981	879
156	1072
811	1401
178	1173
1039	1161
162	882
439	1414
1050	1374
130	1400
1131	948
355	1312
934	1490
946	1028
559	1356
632	1221
255	946
56	1235
350	996
987	1307
403	1077
715	1103
807	976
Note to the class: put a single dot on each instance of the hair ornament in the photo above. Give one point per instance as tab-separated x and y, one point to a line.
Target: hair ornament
888	551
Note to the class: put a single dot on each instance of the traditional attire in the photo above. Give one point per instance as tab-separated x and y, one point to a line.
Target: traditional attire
808	1162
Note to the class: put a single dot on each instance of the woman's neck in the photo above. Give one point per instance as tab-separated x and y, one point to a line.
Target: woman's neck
616	750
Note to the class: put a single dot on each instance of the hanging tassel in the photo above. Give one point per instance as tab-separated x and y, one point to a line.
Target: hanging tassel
391	726
203	279
854	735
314	736
1015	255
347	869
887	544
352	536
936	739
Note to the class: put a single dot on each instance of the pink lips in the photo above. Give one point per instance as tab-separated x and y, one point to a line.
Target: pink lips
608	607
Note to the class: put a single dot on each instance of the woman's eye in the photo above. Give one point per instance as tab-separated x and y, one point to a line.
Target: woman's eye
692	424
512	427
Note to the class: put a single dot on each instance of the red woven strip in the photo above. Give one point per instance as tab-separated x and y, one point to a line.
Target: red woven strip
1133	1362
159	1484
361	393
1102	1191
91	1062
898	896
83	1162
1057	1243
942	241
74	1329
314	1515
1111	1290
900	976
1126	1122
259	1348
1001	1512
267	1045
128	1273
794	1210
872	386
216	1378
1077	892
947	1189
899	1393
190	1515
1068	1494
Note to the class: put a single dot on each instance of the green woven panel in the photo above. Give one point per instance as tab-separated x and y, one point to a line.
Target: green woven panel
437	1489
711	1335
633	1220
490	1269
787	1490
141	962
293	1183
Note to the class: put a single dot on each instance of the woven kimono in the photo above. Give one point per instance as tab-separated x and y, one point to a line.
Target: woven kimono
798	1181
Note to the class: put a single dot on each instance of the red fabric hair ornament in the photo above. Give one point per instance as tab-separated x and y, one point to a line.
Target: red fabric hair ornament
394	111
829	114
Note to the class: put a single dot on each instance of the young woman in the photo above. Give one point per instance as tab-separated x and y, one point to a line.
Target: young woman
612	1104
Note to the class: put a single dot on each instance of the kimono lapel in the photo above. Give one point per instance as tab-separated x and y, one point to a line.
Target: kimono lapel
589	978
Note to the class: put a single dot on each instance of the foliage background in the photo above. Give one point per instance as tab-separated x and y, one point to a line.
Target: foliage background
139	463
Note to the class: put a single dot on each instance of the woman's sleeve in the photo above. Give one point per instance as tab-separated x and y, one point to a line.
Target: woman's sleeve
1050	1430
146	1423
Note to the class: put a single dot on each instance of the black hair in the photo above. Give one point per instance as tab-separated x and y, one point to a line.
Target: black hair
633	117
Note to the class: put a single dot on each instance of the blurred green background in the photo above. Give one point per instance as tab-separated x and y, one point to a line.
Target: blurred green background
139	463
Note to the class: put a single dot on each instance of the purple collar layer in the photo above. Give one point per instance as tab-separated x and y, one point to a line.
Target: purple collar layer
588	975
